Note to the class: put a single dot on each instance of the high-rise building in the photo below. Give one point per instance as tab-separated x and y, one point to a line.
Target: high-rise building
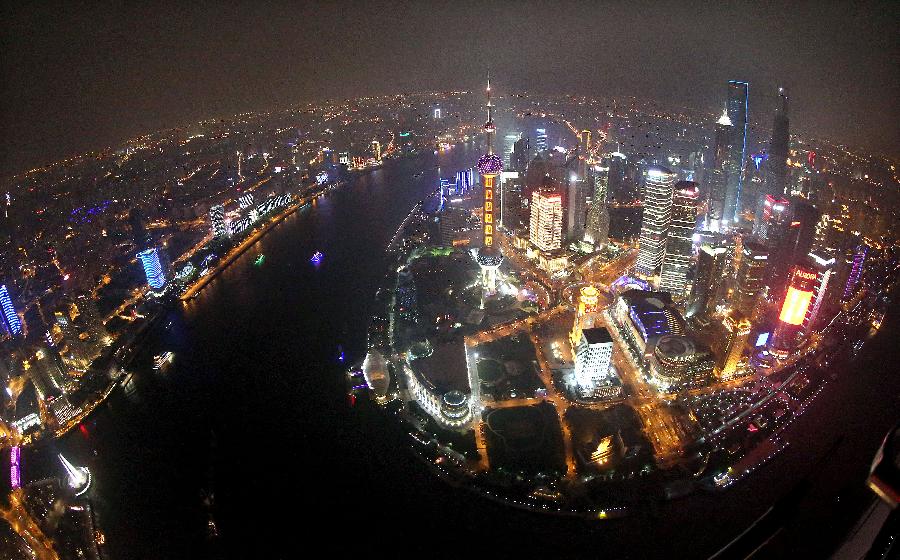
737	329
576	206
489	165
708	277
153	268
596	229
217	221
824	266
737	107
585	144
856	270
521	154
509	149
751	276
541	139
376	150
680	239
779	146
617	186
804	218
800	293
511	184
773	221
717	172
660	183
593	355
545	225
11	321
139	233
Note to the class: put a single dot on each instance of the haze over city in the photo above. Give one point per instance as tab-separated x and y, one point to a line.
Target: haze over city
87	77
570	280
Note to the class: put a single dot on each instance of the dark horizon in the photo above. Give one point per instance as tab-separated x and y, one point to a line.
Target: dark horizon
75	80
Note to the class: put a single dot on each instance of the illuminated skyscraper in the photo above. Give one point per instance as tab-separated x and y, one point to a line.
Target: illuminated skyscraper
737	329
801	290
824	267
217	221
737	107
153	268
716	175
779	146
376	150
596	230
490	166
751	276
545	227
680	239
657	216
11	320
707	279
856	269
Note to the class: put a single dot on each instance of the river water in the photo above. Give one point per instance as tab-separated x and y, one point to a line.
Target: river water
254	412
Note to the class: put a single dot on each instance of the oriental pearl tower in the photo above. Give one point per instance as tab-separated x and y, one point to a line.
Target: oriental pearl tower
489	165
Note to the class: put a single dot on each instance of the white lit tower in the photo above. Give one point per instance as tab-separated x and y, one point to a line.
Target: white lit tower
489	165
660	186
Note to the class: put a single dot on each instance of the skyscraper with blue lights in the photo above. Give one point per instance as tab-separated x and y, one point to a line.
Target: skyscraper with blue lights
11	320
153	269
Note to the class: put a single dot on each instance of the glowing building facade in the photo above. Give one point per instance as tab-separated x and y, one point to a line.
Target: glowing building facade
856	270
737	329
153	269
660	184
11	320
679	240
797	301
376	150
217	221
824	266
593	355
596	230
545	226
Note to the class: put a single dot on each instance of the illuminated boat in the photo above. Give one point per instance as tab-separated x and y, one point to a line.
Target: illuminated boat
162	360
259	260
317	257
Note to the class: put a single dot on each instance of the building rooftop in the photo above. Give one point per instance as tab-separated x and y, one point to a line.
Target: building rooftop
597	335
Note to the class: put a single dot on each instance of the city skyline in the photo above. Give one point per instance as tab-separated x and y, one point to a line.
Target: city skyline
463	317
42	122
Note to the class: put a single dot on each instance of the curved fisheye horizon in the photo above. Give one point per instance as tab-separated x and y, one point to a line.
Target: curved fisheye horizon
530	315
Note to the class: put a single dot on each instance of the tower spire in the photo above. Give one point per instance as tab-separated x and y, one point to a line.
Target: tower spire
489	128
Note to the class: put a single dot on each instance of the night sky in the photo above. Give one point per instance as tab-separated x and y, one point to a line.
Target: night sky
77	78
